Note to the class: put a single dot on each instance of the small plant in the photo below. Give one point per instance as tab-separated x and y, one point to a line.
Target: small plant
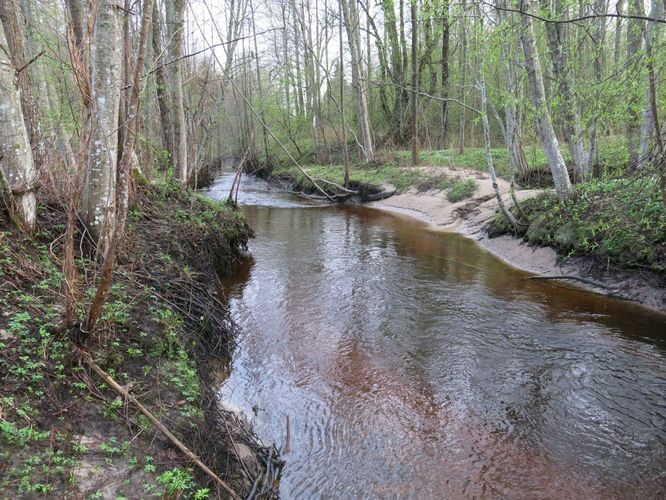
176	481
461	189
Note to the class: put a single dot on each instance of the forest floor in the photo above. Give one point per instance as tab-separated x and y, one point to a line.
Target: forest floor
64	433
613	233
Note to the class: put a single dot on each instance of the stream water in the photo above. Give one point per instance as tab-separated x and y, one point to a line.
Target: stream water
414	364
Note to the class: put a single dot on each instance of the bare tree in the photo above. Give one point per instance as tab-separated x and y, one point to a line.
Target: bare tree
549	140
99	187
352	24
175	12
17	167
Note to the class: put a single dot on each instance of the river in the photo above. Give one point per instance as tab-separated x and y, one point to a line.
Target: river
404	363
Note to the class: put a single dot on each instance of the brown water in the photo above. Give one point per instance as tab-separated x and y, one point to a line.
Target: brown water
413	364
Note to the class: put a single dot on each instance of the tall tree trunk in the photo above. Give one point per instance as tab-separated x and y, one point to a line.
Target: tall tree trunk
13	20
17	168
463	71
415	85
99	191
350	12
444	81
619	8
162	82
512	129
650	123
634	44
570	121
489	156
544	125
175	21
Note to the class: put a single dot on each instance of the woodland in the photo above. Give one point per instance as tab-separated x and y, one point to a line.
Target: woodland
114	113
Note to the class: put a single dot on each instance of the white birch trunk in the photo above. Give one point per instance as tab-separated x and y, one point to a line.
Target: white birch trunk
99	192
350	12
571	125
545	128
16	160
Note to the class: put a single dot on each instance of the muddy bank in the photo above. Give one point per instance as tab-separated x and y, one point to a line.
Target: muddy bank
471	217
63	431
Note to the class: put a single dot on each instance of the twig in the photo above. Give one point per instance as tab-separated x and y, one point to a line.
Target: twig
179	444
31	61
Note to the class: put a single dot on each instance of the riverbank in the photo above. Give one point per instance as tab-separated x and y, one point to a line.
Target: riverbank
164	331
627	265
476	218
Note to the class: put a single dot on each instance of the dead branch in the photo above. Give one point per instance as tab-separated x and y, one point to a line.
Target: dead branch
87	359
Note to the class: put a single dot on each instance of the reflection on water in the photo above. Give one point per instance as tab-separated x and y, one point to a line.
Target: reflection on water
414	364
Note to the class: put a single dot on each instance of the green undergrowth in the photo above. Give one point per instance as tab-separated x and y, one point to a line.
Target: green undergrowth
622	221
63	432
374	175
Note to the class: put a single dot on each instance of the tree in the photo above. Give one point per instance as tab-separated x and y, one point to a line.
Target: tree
17	167
545	128
352	24
175	11
14	22
99	191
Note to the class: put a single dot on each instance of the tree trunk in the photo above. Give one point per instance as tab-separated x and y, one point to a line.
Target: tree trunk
544	125
634	43
463	71
162	84
16	161
415	85
489	156
175	21
444	81
99	192
570	120
512	129
650	123
350	12
14	22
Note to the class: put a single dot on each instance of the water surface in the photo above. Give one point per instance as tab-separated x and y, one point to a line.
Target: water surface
414	364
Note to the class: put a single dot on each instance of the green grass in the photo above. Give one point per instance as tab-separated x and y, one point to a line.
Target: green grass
618	220
461	189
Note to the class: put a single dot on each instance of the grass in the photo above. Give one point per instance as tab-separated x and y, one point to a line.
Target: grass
392	166
461	189
622	221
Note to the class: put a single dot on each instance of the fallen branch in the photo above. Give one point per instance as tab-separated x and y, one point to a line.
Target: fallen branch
124	393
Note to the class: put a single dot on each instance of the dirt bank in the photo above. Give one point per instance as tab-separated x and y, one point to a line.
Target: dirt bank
63	431
470	217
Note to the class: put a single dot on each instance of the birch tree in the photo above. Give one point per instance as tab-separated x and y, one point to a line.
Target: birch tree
17	168
545	128
352	24
14	22
99	191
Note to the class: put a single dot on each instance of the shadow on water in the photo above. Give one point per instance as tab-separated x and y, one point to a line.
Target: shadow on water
415	364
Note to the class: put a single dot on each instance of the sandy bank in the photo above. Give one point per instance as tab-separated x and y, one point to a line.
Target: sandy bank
470	218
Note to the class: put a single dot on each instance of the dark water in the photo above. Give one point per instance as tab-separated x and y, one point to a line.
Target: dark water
413	364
